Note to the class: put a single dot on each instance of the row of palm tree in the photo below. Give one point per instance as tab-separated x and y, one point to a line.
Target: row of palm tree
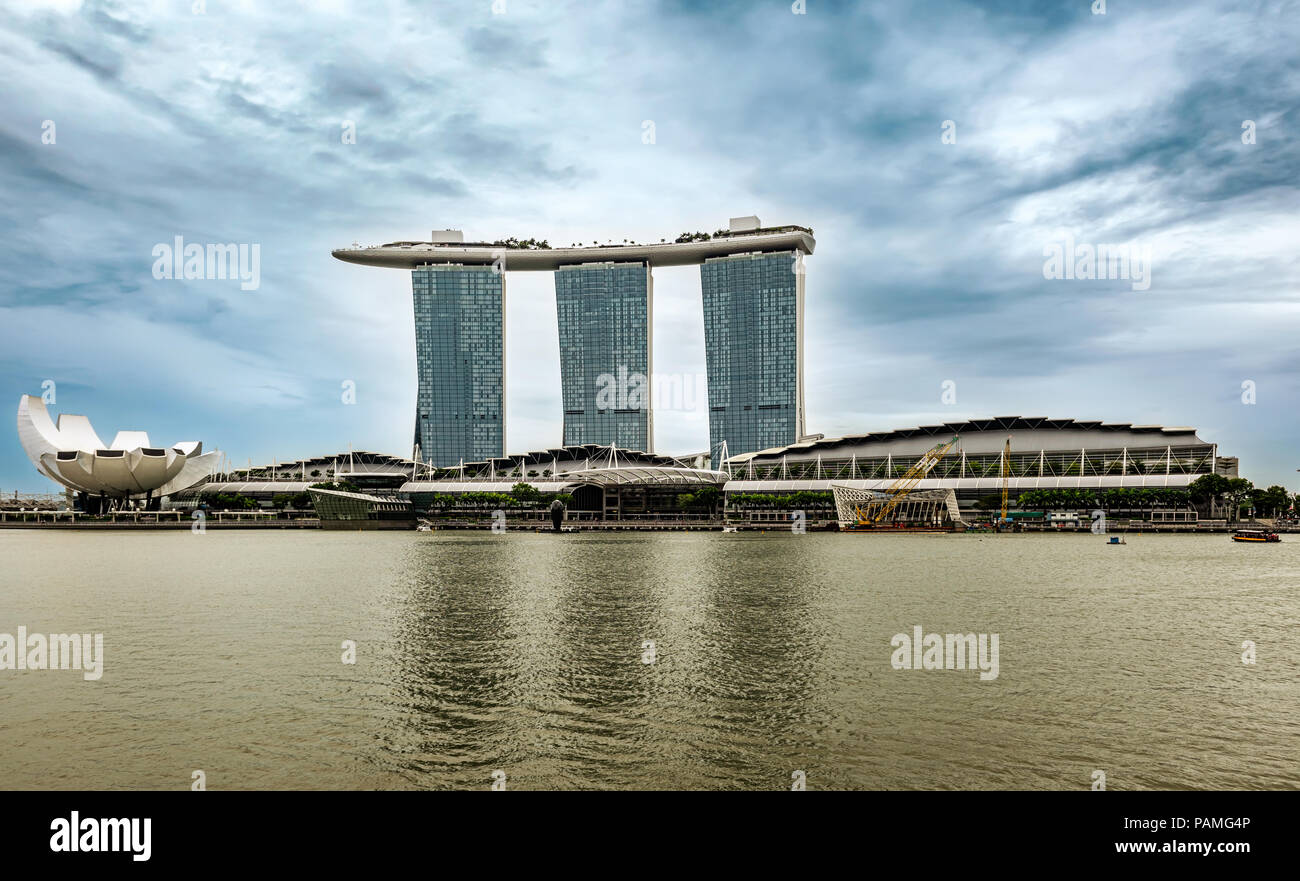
1114	498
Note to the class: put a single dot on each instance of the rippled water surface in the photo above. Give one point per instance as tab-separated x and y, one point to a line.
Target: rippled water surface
524	653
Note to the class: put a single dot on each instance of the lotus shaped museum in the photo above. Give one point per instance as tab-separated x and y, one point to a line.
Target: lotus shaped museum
70	453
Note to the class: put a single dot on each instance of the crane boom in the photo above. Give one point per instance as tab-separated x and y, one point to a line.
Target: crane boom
904	485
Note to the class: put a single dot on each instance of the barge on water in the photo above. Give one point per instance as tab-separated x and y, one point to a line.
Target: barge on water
1255	535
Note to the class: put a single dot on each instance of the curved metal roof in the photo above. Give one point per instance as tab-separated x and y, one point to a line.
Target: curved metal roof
360	497
587	453
656	475
997	424
253	486
989	484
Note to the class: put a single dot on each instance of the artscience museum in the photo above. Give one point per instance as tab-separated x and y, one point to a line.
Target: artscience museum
108	475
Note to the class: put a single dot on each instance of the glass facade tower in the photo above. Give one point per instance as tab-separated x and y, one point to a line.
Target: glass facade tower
605	312
753	342
460	361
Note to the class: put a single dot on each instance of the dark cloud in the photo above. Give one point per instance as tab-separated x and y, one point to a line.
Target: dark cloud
434	186
504	48
105	65
227	128
346	87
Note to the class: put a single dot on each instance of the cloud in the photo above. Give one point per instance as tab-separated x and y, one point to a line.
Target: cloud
499	47
227	127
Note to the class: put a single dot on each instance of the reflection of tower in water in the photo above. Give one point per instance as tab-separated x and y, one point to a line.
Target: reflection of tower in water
529	654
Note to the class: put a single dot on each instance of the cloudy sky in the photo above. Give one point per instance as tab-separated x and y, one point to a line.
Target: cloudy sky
222	122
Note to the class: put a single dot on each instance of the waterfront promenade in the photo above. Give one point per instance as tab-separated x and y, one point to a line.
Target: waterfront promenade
770	522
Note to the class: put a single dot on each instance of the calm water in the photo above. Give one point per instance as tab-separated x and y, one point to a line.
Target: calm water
523	653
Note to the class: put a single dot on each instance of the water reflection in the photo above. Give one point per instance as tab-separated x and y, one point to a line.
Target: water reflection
523	653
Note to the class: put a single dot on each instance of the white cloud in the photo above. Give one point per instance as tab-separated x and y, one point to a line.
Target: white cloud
225	127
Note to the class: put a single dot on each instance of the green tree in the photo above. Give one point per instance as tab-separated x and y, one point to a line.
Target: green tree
1272	502
1238	492
1208	489
526	493
232	502
707	497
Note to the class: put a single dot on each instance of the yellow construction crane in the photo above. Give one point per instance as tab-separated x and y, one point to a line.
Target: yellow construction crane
903	485
1006	478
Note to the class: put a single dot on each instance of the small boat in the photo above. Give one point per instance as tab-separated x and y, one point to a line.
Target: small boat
1116	540
1255	535
730	529
424	526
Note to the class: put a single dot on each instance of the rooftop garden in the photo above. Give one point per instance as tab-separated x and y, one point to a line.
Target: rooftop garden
514	244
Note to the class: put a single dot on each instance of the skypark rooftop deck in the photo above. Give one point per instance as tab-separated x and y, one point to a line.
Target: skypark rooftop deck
408	255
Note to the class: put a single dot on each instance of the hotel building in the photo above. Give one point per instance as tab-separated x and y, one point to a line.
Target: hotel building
752	287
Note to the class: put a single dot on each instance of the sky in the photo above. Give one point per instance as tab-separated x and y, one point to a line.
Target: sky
937	149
